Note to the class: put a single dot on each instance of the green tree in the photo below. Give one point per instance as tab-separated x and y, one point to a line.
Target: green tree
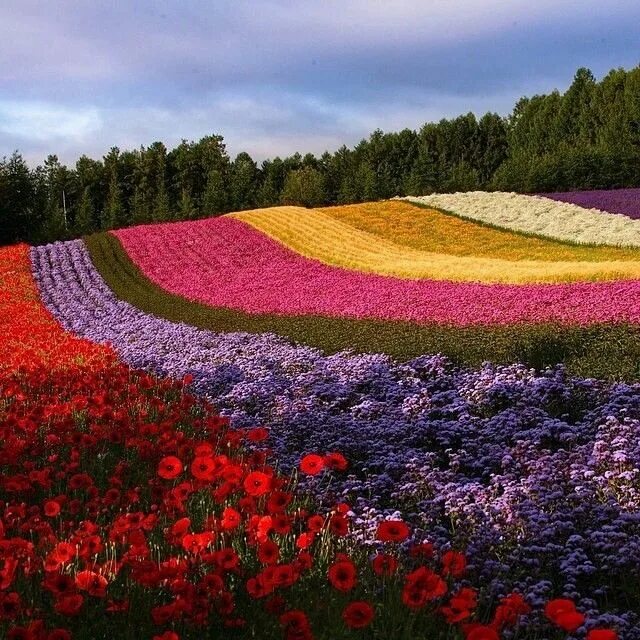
214	199
304	187
112	214
21	215
56	223
84	220
243	182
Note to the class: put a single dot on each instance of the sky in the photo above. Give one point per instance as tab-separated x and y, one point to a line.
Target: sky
275	77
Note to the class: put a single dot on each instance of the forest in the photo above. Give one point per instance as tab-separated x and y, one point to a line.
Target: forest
585	138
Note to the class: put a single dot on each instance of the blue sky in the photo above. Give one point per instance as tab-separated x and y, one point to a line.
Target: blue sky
274	77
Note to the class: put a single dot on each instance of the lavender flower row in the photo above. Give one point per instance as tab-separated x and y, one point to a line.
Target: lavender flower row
536	475
623	201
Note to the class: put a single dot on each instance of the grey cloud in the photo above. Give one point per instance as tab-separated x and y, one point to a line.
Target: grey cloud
275	76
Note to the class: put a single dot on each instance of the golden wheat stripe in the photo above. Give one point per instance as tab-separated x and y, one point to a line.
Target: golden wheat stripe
318	235
427	229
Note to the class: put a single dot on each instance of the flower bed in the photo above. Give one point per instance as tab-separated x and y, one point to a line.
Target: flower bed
224	263
625	202
540	216
318	235
427	229
129	509
533	474
603	350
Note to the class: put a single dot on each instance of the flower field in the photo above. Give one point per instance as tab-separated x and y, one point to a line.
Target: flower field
223	262
552	217
625	202
324	237
327	423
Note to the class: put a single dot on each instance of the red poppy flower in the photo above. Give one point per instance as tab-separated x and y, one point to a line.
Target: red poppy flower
197	542
69	605
268	552
305	540
602	634
339	525
562	612
336	461
169	467
285	575
64	552
453	564
315	523
281	523
257	483
203	468
59	583
460	606
295	621
384	565
392	531
227	559
481	632
511	607
51	508
343	575
230	518
278	501
422	586
358	615
312	464
93	583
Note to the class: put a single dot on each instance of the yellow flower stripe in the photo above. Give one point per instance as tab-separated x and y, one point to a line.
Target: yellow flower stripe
320	235
430	230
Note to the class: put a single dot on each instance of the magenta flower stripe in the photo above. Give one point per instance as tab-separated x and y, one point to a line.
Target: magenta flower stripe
225	263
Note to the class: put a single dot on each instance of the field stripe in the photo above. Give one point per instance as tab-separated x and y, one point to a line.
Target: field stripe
224	262
318	235
538	216
427	229
625	202
602	350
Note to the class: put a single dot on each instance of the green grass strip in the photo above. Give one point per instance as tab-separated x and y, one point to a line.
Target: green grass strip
602	351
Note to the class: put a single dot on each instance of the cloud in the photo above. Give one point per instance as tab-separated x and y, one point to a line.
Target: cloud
41	121
277	76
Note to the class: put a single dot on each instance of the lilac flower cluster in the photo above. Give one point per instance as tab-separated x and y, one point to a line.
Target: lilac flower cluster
536	475
623	201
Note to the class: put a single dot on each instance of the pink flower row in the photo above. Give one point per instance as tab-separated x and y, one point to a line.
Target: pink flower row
225	263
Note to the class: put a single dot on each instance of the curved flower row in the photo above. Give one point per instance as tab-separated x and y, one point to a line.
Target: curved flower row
536	475
603	350
539	216
319	235
224	263
128	509
625	202
427	229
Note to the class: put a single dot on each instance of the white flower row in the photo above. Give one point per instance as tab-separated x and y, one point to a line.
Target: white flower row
539	216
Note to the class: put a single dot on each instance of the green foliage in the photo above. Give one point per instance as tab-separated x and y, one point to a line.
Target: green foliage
84	221
304	187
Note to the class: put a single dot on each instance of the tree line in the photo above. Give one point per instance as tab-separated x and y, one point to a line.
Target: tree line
585	138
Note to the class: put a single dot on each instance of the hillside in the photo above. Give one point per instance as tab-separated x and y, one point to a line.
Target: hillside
390	277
